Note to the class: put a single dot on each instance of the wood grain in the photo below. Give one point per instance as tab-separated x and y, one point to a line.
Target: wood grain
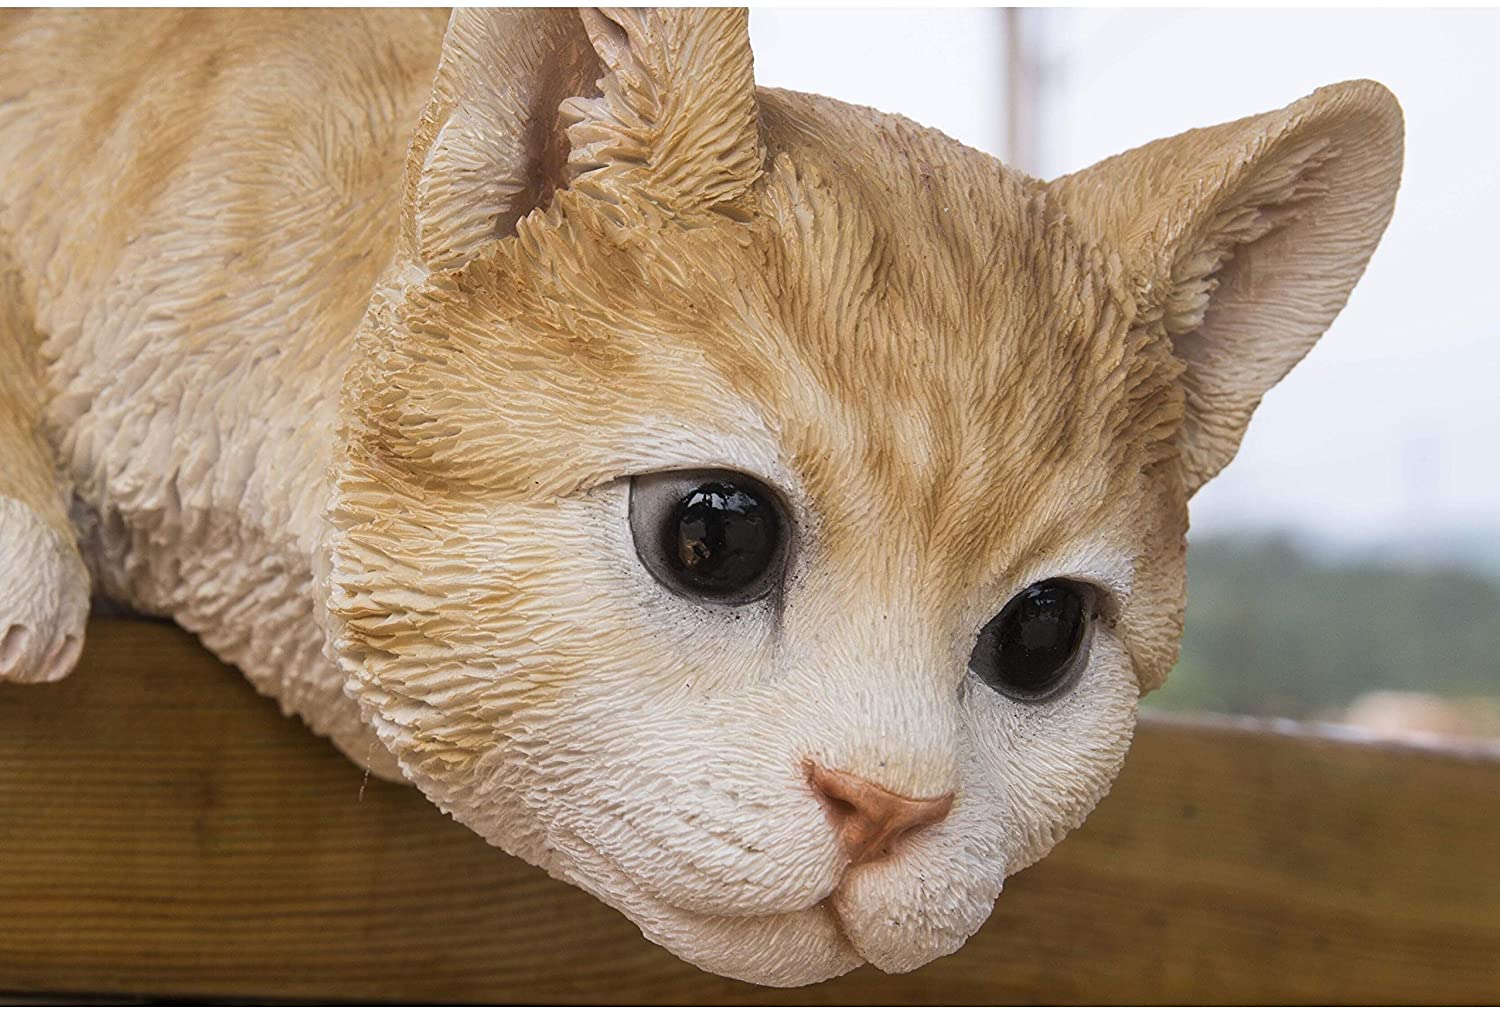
163	830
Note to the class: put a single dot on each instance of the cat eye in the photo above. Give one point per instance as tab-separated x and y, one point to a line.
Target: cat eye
714	536
1034	647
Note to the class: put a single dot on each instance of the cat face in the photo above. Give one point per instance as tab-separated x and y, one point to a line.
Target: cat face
765	513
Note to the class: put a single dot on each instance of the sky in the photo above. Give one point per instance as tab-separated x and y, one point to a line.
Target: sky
1389	431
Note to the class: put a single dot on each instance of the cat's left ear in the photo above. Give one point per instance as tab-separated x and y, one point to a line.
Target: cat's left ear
1243	241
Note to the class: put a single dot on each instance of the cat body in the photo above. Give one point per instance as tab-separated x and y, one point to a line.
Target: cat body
373	348
232	184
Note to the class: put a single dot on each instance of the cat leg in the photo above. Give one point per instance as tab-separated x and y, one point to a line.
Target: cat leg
44	585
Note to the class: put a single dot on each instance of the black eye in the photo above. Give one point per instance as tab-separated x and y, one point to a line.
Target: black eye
1030	651
713	536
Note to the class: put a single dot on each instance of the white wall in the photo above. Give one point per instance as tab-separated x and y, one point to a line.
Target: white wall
942	67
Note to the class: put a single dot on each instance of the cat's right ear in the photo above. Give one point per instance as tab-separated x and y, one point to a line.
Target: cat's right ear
655	107
490	147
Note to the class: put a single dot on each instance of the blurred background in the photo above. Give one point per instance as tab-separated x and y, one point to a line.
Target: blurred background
1346	567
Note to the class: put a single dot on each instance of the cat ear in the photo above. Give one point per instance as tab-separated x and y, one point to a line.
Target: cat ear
631	104
489	148
677	120
1242	242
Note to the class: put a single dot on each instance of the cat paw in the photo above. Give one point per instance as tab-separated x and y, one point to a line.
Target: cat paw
44	598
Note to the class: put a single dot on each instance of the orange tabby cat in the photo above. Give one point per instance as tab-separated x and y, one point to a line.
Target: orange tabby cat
760	511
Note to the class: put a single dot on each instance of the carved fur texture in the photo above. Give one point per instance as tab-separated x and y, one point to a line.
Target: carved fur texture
338	337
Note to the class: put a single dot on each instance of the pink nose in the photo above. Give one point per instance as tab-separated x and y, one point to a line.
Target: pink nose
870	818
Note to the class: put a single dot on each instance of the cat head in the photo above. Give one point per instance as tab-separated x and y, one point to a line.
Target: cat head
764	512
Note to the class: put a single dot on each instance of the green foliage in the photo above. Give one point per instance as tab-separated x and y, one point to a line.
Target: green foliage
1275	630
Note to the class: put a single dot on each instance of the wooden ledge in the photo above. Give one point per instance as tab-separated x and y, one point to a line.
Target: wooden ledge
164	830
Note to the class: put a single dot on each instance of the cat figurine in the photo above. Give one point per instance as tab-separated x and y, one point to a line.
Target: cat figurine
762	512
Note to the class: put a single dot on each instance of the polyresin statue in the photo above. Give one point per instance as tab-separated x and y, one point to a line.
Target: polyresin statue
760	511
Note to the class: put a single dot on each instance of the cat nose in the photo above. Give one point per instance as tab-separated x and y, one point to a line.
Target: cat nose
870	818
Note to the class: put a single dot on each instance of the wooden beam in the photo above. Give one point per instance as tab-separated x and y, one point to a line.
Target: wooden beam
165	831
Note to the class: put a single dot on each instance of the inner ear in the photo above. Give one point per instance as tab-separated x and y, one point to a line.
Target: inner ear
490	147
